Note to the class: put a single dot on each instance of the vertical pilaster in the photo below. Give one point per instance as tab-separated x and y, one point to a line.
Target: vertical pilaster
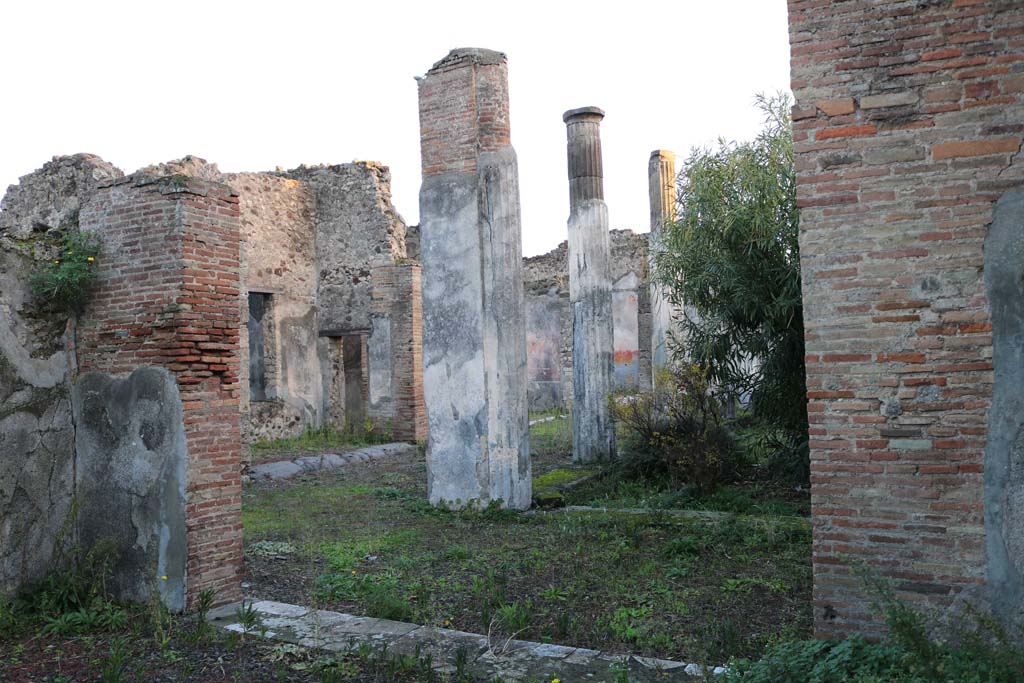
590	291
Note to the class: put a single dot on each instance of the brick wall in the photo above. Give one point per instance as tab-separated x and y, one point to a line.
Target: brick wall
168	296
907	123
453	131
398	296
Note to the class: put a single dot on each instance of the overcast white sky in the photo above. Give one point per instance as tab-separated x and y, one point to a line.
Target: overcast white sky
254	85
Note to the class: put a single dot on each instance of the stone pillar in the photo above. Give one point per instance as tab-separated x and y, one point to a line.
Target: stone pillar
590	291
474	334
661	178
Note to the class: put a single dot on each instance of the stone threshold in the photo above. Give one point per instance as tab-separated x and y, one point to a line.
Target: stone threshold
484	656
285	469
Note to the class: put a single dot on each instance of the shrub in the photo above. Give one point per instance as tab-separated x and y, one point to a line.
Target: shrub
67	281
731	262
676	430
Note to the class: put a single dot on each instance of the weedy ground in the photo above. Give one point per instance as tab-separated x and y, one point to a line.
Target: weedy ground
362	539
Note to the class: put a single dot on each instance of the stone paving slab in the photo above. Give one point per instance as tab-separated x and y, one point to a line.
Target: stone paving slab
511	660
549	418
285	469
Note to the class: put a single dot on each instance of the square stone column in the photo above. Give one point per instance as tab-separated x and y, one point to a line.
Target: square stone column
474	334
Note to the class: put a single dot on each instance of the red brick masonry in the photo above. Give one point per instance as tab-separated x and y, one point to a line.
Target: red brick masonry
907	125
168	297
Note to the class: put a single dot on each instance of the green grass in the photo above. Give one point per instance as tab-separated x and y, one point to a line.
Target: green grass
367	542
552	438
756	498
318	441
556	479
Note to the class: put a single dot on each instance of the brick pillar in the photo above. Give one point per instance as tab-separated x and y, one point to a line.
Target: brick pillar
907	130
474	333
398	306
169	297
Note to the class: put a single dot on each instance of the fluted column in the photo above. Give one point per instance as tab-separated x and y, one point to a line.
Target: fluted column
661	177
590	292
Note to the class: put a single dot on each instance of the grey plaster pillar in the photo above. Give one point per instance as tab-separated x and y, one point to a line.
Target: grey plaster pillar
474	326
590	290
661	178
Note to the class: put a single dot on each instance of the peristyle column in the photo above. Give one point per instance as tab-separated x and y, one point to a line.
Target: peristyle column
590	291
474	332
661	178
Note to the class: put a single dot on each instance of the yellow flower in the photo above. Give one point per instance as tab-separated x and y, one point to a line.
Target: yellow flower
353	572
90	259
555	680
164	577
56	260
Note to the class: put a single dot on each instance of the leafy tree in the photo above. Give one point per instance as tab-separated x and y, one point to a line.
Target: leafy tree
731	261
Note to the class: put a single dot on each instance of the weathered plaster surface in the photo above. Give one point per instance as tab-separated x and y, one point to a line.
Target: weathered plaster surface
549	317
1004	451
453	364
626	331
592	344
130	480
474	354
36	429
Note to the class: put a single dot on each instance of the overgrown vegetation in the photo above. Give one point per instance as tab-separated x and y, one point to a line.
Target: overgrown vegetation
675	431
731	261
66	283
982	651
67	629
364	540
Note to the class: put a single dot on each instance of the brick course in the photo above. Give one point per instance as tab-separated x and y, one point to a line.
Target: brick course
454	130
168	296
907	125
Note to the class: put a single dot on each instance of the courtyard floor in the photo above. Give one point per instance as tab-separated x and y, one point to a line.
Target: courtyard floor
692	581
361	539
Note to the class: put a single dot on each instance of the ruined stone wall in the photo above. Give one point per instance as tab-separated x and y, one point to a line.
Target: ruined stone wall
908	127
357	228
278	257
36	428
549	320
168	297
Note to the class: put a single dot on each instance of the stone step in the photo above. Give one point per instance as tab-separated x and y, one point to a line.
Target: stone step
484	656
